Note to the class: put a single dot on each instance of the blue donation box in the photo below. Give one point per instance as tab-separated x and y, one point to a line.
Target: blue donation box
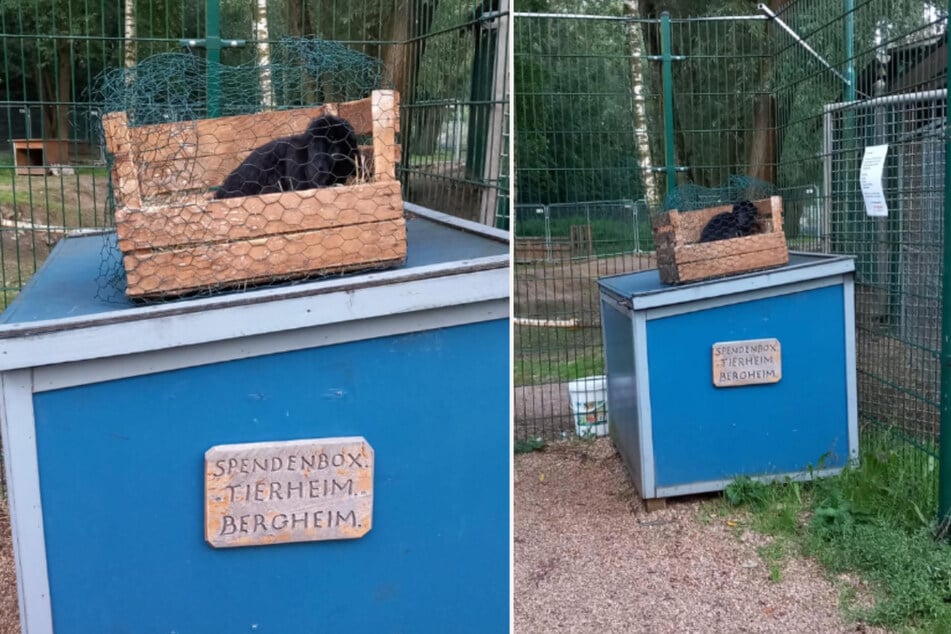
331	455
751	375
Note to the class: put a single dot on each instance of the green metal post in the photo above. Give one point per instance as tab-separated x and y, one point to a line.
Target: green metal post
850	49
944	450
213	56
851	223
668	80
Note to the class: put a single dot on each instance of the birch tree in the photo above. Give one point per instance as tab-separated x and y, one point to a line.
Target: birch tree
129	49
263	49
636	57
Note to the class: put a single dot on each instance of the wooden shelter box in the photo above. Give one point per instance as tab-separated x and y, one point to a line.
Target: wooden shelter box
177	239
680	258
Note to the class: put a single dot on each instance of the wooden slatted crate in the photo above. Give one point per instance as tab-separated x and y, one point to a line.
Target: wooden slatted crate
680	258
177	239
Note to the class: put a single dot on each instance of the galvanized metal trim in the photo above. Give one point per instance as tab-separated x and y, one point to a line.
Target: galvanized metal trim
26	511
718	485
84	372
923	95
213	320
644	419
851	379
728	300
761	280
618	18
308	290
469	226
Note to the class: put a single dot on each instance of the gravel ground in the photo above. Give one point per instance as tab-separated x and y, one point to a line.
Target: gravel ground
589	558
9	611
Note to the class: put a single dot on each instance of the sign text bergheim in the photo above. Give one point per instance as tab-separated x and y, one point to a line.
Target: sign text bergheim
749	362
288	491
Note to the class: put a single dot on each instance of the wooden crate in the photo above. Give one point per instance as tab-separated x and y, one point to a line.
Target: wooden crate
177	239
680	258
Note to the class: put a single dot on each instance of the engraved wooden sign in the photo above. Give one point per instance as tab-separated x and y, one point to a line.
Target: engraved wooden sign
750	362
288	491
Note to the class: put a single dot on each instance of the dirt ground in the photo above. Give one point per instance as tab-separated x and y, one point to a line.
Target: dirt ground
589	558
9	610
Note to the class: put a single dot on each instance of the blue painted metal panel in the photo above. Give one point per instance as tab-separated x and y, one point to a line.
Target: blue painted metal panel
71	282
121	469
622	388
704	433
648	282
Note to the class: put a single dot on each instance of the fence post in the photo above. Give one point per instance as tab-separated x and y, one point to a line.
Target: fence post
850	49
944	438
668	81
213	56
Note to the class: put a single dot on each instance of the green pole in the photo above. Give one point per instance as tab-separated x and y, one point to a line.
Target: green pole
944	448
668	81
850	49
851	224
213	56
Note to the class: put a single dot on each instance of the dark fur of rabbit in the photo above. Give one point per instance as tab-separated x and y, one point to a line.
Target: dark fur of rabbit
325	154
738	223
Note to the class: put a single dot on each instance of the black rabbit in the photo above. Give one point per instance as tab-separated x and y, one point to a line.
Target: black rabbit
325	154
732	224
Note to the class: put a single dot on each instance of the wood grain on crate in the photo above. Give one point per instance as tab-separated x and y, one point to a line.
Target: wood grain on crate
323	251
206	221
176	238
196	155
680	258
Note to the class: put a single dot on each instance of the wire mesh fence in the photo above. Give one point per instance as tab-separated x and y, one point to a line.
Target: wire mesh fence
442	57
580	211
67	67
875	77
791	95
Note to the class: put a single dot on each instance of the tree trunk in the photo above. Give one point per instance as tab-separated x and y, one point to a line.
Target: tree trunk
129	44
64	92
300	24
56	93
393	57
763	151
764	145
636	55
299	21
263	48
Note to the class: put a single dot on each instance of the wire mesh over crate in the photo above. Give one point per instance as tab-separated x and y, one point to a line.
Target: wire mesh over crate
705	233
211	203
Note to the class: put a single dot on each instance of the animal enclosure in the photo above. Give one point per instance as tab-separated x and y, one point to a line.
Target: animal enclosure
442	57
175	239
791	99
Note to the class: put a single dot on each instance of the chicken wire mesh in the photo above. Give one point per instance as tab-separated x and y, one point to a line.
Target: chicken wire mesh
741	219
793	105
442	56
208	203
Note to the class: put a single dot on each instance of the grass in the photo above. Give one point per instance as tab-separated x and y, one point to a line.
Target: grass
556	355
530	445
532	371
609	237
874	521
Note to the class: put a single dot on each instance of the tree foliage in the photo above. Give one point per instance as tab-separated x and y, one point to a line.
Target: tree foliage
573	109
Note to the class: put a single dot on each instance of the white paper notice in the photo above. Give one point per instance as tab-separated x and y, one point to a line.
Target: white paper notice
871	179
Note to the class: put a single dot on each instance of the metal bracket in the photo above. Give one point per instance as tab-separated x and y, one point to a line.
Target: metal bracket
775	18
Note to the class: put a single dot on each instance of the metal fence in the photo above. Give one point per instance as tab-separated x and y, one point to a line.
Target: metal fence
873	76
580	211
790	95
446	57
